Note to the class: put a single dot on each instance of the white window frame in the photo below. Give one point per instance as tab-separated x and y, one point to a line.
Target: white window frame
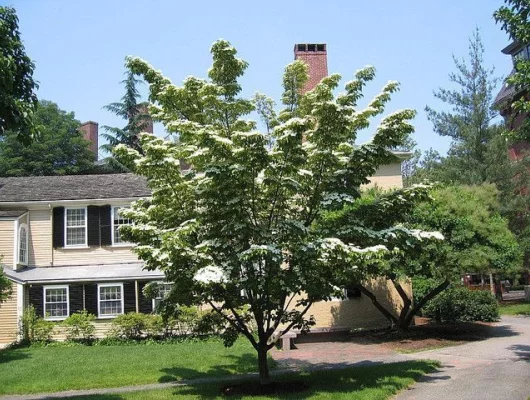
74	246
158	297
121	244
49	318
19	261
113	284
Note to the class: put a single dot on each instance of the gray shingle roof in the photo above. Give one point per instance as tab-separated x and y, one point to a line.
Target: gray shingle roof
83	273
72	187
12	213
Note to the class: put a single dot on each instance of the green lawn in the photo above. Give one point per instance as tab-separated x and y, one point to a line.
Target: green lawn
377	382
515	309
47	369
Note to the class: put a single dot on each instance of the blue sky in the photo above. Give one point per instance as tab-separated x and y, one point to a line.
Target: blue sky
79	47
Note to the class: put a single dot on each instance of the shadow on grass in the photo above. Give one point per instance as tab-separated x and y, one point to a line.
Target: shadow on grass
7	355
236	364
344	383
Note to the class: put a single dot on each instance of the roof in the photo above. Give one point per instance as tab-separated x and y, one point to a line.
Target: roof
507	92
72	187
83	273
12	213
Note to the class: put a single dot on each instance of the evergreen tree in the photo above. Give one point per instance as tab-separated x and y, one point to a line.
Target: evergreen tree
134	113
58	147
468	123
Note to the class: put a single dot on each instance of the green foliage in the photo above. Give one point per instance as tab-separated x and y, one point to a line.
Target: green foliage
5	284
237	230
513	17
137	118
33	328
463	305
79	326
57	149
128	326
472	158
422	286
17	86
477	238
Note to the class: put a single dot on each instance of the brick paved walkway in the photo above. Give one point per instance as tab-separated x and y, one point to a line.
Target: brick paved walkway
334	354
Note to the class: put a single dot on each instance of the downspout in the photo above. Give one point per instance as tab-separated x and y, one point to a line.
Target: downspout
51	231
136	296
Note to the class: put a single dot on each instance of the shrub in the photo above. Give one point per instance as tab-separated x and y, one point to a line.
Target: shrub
154	325
462	304
79	326
33	328
128	326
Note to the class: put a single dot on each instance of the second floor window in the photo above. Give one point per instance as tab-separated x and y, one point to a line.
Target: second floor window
76	226
118	220
23	244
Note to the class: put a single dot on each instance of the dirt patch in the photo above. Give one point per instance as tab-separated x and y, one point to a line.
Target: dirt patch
426	335
271	389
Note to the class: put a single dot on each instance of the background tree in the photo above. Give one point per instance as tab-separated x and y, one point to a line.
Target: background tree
477	239
468	123
237	231
57	149
17	97
134	113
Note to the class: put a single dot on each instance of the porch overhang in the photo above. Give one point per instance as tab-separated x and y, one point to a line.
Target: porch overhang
83	273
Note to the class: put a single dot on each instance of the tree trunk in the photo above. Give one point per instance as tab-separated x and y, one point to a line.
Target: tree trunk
263	365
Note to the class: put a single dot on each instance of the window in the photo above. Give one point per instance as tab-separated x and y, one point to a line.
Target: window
117	221
56	302
23	244
110	299
163	290
76	227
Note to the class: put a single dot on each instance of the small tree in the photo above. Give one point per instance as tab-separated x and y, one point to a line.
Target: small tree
57	149
17	87
477	239
5	284
237	230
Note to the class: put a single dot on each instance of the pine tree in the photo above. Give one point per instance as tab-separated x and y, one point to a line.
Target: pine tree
134	113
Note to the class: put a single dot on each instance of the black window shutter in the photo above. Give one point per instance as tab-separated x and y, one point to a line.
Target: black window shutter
106	225
91	298
76	298
58	227
93	226
36	299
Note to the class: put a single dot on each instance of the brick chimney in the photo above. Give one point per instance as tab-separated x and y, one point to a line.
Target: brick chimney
316	57
148	121
90	133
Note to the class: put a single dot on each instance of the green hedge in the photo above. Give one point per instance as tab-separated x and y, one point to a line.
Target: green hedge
462	305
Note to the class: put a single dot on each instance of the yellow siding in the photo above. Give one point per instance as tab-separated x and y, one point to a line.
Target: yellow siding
387	177
102	327
93	256
8	318
6	242
40	244
359	312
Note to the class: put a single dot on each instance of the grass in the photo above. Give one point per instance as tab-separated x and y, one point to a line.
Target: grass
50	369
376	382
515	309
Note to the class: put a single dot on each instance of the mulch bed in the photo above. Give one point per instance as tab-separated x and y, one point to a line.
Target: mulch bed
427	335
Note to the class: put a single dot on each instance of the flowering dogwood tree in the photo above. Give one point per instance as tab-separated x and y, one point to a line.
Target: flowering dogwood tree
236	230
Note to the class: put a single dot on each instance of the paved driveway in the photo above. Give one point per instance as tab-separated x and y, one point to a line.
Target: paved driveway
496	369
